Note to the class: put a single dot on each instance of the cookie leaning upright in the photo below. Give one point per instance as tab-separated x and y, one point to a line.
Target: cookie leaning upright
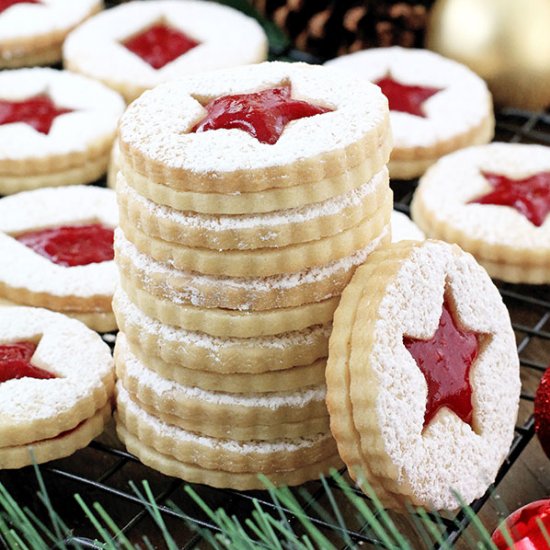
423	376
56	386
247	199
437	105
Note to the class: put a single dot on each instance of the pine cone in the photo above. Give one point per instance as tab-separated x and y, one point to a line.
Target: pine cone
327	28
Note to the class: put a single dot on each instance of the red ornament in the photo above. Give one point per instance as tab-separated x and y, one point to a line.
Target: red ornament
405	98
529	196
38	111
542	412
263	115
524	528
445	360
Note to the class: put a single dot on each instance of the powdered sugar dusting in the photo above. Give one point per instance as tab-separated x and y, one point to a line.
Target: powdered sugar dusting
404	229
463	103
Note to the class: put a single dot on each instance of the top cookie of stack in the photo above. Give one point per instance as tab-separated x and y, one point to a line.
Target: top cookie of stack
247	198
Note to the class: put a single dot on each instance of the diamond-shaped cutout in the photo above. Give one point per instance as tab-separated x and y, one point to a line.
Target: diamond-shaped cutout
159	44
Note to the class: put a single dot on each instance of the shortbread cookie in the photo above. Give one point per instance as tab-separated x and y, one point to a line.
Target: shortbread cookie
55	374
199	351
135	47
60	446
232	323
269	200
32	31
58	249
325	124
222	454
266	230
263	262
221	478
56	128
437	105
240	293
413	314
404	229
292	378
493	201
214	413
114	165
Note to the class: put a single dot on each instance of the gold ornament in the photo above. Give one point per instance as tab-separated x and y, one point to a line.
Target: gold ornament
506	42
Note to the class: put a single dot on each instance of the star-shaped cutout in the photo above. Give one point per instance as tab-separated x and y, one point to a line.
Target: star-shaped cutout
159	44
445	361
38	111
5	4
15	362
72	245
529	196
263	115
405	98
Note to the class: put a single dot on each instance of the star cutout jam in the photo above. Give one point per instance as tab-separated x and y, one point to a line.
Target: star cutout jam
445	360
405	98
38	111
5	4
15	362
263	115
159	45
72	245
529	196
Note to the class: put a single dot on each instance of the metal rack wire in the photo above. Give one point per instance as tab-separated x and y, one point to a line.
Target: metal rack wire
102	471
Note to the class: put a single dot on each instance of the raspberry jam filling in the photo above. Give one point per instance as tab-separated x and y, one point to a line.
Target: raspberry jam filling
159	45
72	245
529	196
405	98
445	360
263	115
15	362
38	111
5	4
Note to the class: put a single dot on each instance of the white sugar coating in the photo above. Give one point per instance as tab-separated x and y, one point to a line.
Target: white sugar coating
456	179
448	454
96	110
461	105
404	229
136	317
66	348
163	388
226	38
152	268
48	16
330	207
158	124
162	429
54	207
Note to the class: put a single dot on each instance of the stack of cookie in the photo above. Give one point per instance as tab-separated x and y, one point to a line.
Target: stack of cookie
247	199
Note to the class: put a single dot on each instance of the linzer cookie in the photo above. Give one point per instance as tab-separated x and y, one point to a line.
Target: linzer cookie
404	229
135	47
437	105
56	386
493	201
32	31
57	246
423	376
56	128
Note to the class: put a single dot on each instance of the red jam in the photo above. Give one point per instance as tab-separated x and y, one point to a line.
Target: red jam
38	111
405	98
445	360
15	362
529	196
263	115
5	4
524	527
72	245
159	45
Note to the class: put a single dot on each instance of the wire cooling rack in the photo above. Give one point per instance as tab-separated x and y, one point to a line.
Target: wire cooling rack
102	472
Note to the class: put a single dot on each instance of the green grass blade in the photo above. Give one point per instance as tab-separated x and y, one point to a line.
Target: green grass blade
434	532
476	522
420	527
107	539
118	535
265	525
